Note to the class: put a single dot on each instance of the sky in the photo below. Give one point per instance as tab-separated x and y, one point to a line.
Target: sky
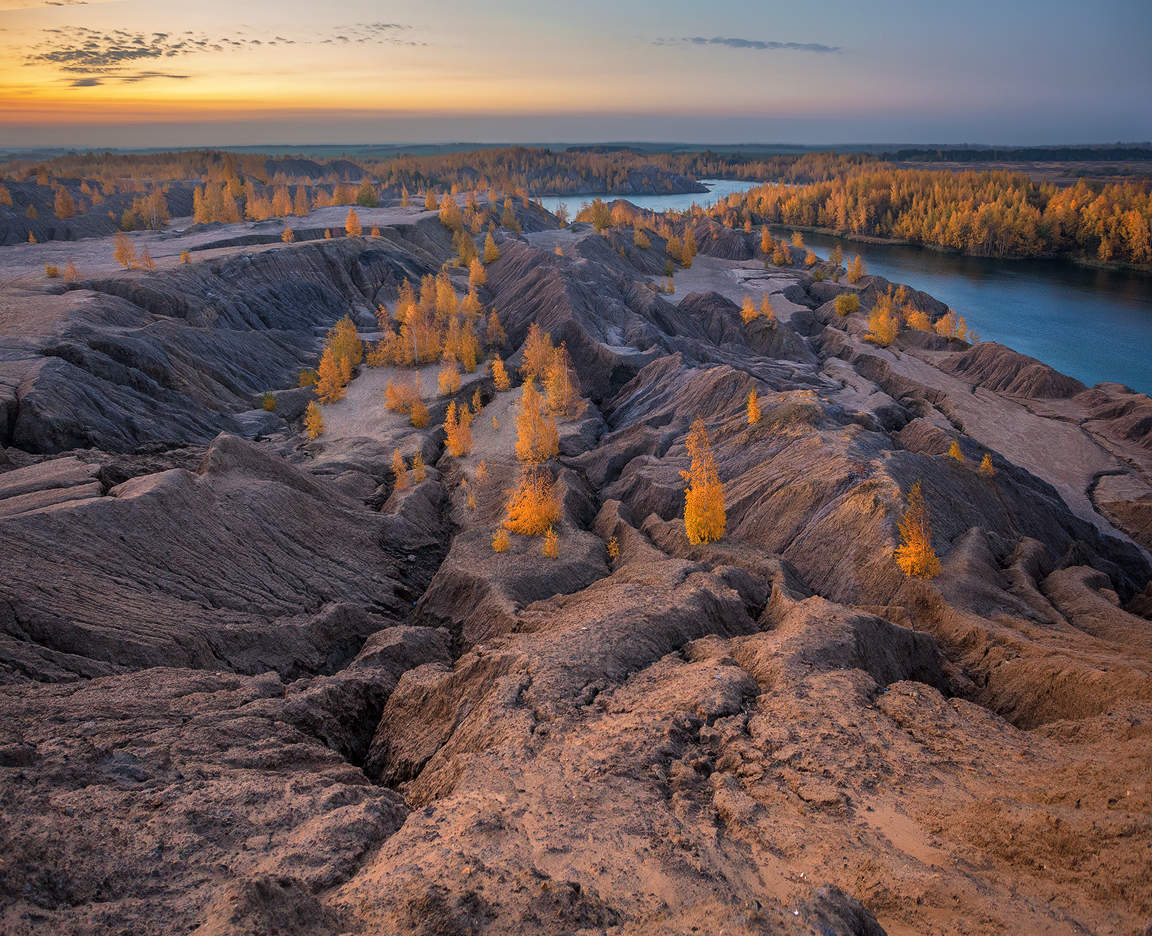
99	73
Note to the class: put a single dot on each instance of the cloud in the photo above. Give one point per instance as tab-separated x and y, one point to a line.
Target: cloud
760	45
96	81
92	56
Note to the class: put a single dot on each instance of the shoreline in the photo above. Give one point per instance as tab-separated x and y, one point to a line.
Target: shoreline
1144	269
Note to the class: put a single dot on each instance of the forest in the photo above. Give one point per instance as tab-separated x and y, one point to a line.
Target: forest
984	213
989	214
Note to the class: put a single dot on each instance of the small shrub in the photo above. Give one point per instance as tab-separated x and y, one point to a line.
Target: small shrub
986	469
308	377
51	270
613	548
954	451
399	471
269	402
500	541
313	420
185	256
551	547
847	303
419	473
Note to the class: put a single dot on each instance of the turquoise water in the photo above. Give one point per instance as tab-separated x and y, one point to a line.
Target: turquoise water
1095	325
717	188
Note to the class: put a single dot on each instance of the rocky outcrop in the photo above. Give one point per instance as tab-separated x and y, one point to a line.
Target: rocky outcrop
256	685
248	565
1003	370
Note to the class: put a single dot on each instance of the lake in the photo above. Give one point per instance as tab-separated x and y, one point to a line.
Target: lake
717	189
1095	325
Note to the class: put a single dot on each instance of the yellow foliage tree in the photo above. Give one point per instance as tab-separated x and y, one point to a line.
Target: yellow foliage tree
883	324
64	205
448	378
986	469
125	252
954	451
491	251
914	554
450	215
288	236
704	514
313	420
418	471
855	270
748	310
352	224
537	353
345	342
494	335
560	384
534	506
767	312
500	376
916	319
429	200
399	471
500	541
950	325
400	395
300	203
458	431
537	439
333	374
810	258
753	408
477	275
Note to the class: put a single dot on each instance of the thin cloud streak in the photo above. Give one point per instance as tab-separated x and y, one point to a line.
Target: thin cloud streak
759	45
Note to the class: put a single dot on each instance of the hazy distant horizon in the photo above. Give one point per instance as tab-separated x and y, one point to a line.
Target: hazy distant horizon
337	146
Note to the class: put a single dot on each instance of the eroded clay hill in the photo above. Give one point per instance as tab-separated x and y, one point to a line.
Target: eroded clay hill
252	685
